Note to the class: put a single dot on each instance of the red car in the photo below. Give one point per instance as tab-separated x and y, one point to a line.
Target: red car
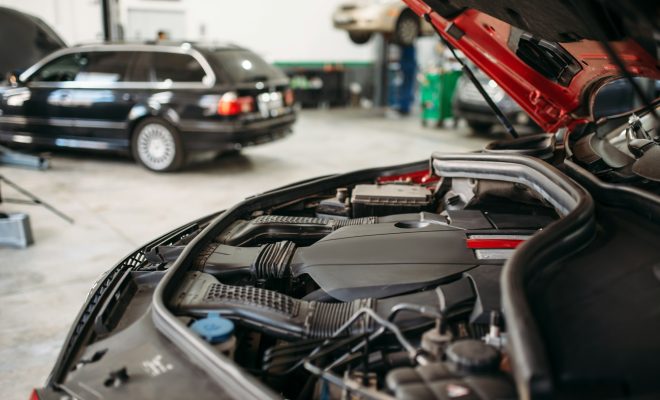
529	270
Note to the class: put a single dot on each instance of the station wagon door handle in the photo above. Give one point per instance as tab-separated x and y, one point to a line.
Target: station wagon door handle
61	98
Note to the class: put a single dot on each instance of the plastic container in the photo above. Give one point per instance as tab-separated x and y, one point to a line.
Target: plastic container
436	93
218	331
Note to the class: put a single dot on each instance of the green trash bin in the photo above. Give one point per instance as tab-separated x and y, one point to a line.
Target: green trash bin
448	82
436	93
430	98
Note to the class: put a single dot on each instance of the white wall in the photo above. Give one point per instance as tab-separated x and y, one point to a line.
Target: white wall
76	21
279	30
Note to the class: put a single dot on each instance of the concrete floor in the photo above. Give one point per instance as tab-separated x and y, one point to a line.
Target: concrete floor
118	206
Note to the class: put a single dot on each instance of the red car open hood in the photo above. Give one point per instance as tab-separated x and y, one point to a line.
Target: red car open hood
556	87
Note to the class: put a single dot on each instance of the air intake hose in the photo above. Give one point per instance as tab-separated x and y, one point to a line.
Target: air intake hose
282	315
282	227
269	261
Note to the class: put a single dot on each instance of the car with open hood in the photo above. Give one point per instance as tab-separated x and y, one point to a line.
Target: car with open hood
527	270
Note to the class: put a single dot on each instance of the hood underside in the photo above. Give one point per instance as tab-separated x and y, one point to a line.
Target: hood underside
547	55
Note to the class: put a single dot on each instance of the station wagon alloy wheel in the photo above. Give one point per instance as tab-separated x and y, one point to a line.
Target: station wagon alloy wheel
156	146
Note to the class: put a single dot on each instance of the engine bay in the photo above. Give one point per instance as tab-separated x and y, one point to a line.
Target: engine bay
622	149
386	288
448	279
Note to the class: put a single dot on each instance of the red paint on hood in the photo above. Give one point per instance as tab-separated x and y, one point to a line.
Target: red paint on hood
551	105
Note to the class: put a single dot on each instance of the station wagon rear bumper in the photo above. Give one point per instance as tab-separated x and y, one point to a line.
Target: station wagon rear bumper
202	135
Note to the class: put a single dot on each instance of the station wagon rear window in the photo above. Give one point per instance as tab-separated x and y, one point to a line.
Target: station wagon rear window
176	68
245	66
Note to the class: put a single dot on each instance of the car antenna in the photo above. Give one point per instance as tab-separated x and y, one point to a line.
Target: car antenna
468	71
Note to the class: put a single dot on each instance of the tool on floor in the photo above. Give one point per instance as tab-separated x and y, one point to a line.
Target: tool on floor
15	229
15	158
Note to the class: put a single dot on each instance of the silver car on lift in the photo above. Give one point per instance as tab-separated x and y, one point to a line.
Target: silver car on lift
362	18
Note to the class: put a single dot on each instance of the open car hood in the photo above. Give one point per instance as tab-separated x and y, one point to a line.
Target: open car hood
546	54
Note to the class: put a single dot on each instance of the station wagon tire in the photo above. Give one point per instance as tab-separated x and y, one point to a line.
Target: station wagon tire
157	145
229	153
407	28
359	37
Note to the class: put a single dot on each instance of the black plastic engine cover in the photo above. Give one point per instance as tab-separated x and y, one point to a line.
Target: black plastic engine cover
386	259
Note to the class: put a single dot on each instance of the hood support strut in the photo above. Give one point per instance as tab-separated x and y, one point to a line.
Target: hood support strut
467	71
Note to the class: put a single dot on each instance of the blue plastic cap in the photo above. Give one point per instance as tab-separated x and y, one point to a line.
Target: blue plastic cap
213	328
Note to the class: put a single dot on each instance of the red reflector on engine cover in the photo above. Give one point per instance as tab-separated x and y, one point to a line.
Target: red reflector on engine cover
493	243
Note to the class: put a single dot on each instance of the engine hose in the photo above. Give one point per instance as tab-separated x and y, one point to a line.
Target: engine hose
273	260
282	227
268	261
283	315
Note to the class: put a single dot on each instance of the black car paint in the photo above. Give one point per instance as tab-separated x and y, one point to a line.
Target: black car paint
101	115
100	297
24	40
560	237
223	373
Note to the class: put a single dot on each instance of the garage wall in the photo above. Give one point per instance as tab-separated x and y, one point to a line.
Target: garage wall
76	21
281	31
289	31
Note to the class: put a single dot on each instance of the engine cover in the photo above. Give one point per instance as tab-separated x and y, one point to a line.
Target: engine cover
384	259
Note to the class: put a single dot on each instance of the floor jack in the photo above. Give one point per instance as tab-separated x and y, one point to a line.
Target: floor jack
17	159
15	229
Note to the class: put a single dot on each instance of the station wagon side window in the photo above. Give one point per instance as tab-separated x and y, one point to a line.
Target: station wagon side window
141	69
176	67
106	67
63	69
99	66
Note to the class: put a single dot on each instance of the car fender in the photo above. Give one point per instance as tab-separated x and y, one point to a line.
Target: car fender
152	109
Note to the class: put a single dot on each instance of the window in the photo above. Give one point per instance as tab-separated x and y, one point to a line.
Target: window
101	66
177	68
141	70
106	66
246	66
62	69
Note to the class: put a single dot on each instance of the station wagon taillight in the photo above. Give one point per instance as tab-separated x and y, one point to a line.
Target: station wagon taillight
231	104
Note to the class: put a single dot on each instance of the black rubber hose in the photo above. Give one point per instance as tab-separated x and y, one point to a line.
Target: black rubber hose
285	316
